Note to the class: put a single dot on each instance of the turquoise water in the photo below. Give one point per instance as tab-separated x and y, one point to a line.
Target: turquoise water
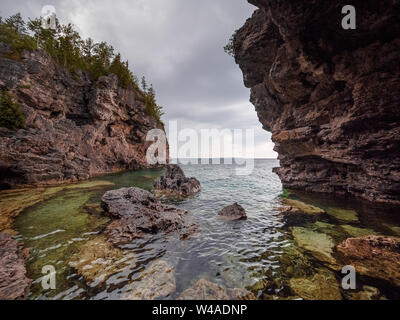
258	254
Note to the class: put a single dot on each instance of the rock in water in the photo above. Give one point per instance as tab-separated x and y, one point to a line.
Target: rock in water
175	184
14	285
75	127
156	282
207	290
318	244
373	256
328	95
322	286
96	260
139	214
233	212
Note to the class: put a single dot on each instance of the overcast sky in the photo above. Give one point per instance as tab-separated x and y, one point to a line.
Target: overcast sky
178	46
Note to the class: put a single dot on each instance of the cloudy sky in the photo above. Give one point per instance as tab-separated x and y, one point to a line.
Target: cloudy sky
178	46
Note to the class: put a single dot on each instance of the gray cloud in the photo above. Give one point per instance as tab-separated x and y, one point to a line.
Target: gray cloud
178	46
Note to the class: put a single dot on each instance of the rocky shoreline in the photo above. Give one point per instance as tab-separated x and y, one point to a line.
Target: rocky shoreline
75	129
14	284
137	214
327	94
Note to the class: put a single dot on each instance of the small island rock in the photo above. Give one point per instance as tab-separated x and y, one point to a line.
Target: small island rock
139	214
175	184
233	212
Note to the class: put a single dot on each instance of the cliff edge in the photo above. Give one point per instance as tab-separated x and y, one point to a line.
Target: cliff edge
328	95
75	127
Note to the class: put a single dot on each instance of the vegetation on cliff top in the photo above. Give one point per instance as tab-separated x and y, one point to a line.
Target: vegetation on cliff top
11	115
230	46
68	49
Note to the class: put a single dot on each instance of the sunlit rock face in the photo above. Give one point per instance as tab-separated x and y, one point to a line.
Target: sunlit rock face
76	128
328	95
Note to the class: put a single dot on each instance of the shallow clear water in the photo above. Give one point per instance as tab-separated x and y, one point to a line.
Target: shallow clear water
256	254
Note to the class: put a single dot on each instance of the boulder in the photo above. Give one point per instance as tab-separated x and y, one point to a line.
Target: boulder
174	184
233	212
138	214
156	282
373	256
14	284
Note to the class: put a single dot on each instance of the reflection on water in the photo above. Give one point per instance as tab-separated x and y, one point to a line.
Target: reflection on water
258	254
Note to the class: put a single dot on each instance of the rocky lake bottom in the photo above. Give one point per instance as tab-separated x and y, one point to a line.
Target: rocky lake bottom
275	254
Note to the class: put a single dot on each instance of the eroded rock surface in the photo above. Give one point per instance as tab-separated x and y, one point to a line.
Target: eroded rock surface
14	284
138	214
207	290
328	95
156	282
233	212
96	260
374	256
175	184
318	244
75	127
322	286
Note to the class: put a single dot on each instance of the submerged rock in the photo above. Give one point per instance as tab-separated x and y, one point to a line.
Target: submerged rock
295	206
373	256
207	290
96	260
321	286
394	229
138	214
174	184
318	244
357	232
157	282
233	212
14	284
294	263
343	214
13	202
367	293
296	212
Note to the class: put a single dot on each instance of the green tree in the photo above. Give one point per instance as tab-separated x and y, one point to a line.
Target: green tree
230	47
144	84
11	115
88	47
104	53
121	69
67	48
13	32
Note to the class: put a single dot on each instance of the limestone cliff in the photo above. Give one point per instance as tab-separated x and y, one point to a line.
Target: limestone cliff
329	96
76	128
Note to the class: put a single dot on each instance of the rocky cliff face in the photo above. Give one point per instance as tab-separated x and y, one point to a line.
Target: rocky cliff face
75	128
329	96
